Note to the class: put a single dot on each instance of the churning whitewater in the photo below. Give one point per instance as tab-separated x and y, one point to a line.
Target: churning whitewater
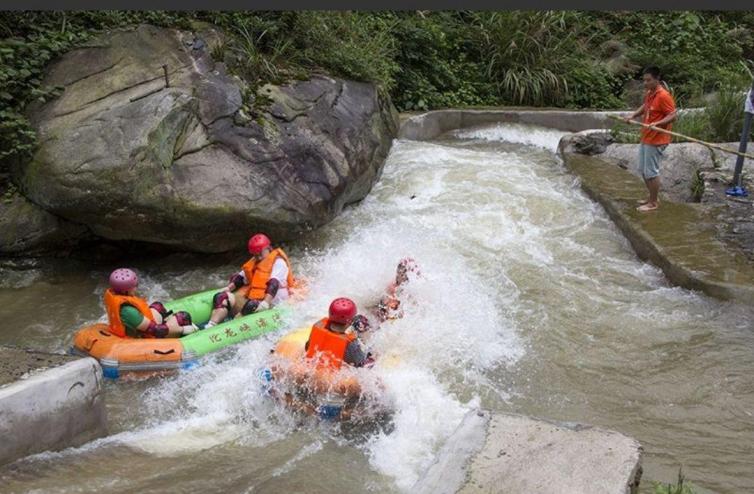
527	300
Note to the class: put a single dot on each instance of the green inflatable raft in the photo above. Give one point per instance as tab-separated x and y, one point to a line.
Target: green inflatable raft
119	356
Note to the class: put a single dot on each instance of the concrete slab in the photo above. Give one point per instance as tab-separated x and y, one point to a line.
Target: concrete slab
56	402
679	238
448	473
516	454
16	363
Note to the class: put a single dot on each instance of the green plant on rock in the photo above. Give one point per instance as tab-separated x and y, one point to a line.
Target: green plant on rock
697	186
10	193
681	487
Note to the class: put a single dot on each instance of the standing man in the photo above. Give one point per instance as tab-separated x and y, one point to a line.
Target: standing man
658	111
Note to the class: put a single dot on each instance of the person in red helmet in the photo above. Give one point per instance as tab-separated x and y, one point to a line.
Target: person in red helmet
264	281
333	339
130	316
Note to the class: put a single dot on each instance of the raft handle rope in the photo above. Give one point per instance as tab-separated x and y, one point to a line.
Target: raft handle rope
167	352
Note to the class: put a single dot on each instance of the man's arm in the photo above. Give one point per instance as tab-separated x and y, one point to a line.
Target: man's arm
635	114
669	118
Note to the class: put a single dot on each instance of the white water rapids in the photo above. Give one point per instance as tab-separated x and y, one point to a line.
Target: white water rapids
529	301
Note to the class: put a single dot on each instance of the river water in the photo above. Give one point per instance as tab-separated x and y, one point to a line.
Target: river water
529	301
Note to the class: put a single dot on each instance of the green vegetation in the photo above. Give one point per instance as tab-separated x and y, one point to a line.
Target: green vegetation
425	60
682	487
697	186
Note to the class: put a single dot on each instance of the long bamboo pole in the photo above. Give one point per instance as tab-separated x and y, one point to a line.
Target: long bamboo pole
703	143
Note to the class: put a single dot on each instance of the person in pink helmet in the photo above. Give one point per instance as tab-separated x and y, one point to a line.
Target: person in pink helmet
130	316
264	281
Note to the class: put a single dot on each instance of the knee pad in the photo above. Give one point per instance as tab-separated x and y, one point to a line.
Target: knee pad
272	287
221	300
183	318
249	307
161	309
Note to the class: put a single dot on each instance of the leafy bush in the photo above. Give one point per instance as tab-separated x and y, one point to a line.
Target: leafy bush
439	65
425	60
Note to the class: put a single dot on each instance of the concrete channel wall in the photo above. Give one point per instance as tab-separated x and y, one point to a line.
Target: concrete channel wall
433	124
48	402
513	453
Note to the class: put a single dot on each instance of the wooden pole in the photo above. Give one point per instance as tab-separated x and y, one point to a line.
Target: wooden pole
703	143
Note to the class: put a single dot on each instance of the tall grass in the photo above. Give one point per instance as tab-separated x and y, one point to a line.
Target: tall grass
526	53
721	120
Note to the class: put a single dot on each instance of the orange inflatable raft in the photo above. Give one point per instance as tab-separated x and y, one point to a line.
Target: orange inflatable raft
339	394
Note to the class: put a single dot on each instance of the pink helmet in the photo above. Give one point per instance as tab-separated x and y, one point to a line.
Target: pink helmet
258	243
123	280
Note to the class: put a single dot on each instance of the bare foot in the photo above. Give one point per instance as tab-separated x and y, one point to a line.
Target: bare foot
649	206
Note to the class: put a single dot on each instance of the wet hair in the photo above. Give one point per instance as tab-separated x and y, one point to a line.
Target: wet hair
652	70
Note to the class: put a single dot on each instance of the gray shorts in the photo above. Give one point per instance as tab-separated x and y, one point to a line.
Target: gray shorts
649	159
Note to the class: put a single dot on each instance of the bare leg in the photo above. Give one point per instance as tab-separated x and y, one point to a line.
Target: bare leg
644	201
218	315
174	330
653	184
156	315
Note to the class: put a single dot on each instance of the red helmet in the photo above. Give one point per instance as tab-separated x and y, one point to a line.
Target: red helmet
123	280
342	310
258	243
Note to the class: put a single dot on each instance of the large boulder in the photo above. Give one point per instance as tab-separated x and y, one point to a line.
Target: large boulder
28	230
183	162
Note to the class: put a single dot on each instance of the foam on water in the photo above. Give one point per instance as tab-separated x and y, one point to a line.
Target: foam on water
456	320
516	133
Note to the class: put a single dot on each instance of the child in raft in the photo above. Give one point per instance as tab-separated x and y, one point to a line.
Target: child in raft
130	316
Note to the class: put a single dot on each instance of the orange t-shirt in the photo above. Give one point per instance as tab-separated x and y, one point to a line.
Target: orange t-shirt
657	105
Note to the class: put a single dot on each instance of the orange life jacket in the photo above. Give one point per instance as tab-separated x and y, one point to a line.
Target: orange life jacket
113	303
259	273
331	346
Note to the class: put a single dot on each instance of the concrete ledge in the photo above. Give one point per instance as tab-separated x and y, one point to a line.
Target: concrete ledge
432	124
49	408
514	453
679	238
448	472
